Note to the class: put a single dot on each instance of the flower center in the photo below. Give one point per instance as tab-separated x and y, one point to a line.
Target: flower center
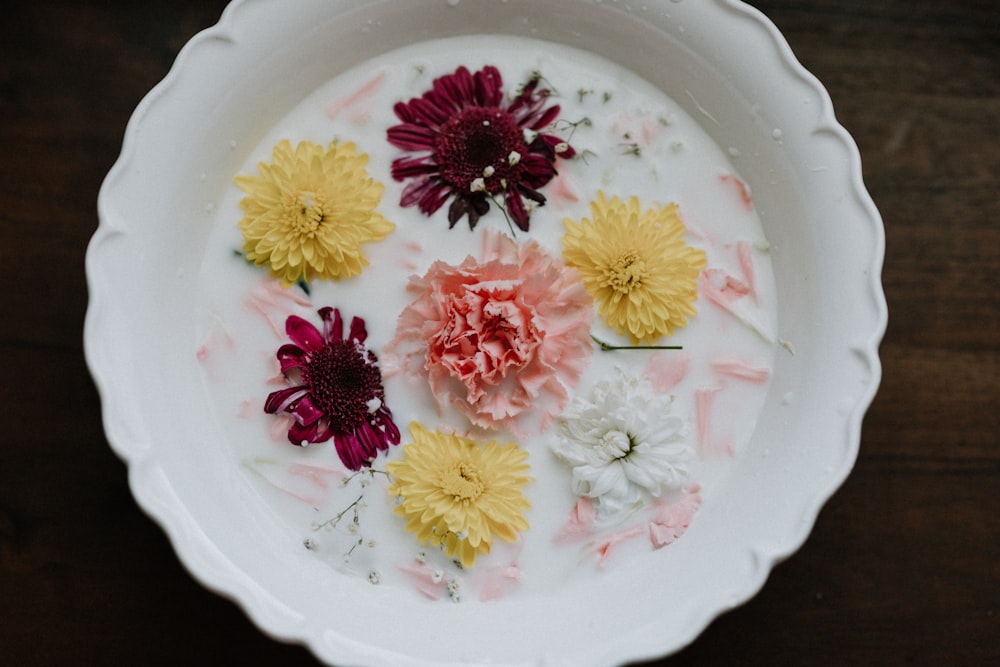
480	146
616	444
626	272
462	481
342	383
305	212
487	337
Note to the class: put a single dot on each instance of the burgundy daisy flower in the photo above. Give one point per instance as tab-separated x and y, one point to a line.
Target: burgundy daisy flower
469	143
337	389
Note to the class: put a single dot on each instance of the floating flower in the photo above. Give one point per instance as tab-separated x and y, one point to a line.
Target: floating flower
458	494
623	444
469	143
636	265
309	211
336	389
501	338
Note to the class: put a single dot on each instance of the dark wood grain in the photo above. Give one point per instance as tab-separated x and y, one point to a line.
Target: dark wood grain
903	566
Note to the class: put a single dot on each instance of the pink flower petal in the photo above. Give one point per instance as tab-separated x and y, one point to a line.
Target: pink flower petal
673	518
721	288
707	445
741	370
358	96
605	546
423	577
666	369
746	266
580	523
740	188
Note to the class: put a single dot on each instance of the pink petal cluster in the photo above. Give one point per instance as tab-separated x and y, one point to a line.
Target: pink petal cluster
502	338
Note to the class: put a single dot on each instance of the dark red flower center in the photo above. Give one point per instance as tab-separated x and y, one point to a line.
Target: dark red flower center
342	381
480	143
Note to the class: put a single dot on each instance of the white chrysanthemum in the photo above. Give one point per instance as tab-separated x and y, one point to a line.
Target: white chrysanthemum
623	444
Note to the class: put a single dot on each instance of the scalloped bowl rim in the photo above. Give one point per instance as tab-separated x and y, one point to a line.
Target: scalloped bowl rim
783	117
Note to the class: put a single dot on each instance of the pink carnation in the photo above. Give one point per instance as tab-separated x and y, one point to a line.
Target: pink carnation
501	338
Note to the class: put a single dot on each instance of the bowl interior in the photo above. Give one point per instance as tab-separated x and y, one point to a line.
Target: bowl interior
730	71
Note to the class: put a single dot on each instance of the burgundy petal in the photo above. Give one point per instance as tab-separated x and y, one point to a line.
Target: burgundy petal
533	195
537	171
370	440
303	333
411	137
301	435
349	451
383	420
544	119
403	112
429	188
291	356
281	400
433	197
458	208
456	89
359	333
403	168
552	141
429	112
489	86
333	325
306	412
516	210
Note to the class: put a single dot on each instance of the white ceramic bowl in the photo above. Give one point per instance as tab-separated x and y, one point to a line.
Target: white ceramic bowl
719	59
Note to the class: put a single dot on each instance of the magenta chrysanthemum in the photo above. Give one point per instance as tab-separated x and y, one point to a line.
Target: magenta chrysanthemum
471	144
336	389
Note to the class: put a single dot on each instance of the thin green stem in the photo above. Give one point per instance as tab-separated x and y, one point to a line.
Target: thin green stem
608	347
506	216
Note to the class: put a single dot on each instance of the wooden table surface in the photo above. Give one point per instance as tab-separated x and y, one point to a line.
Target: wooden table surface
903	566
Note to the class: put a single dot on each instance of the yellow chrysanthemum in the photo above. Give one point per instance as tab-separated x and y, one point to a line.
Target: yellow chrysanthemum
460	494
636	266
310	210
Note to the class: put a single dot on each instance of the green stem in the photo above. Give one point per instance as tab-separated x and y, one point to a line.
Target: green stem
506	216
607	347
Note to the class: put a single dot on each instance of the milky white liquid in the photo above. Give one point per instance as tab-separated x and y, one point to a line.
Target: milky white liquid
637	141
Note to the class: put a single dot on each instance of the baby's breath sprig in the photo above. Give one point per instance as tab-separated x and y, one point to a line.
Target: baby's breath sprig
563	125
353	510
